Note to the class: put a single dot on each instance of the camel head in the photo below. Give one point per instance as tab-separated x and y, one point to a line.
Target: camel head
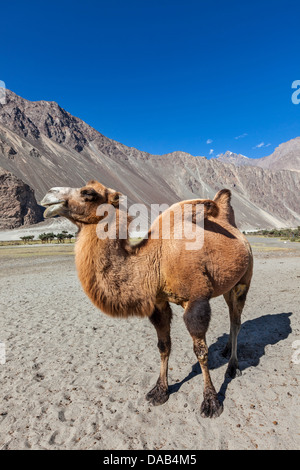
79	205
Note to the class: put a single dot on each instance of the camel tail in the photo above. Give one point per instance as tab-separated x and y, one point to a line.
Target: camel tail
222	199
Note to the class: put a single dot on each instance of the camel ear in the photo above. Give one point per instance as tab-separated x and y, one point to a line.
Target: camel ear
114	198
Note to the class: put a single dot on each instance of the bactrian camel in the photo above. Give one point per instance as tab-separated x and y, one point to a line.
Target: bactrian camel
140	280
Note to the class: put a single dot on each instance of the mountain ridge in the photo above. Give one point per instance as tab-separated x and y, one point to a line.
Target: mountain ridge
285	157
45	146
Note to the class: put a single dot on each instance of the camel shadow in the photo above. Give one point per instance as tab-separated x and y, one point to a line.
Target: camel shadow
254	336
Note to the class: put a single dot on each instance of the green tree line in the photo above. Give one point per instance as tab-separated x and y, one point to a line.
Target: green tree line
49	237
292	234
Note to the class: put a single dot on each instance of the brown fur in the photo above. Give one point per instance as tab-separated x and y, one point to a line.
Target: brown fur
125	280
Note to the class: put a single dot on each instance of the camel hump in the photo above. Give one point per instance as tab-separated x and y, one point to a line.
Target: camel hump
222	199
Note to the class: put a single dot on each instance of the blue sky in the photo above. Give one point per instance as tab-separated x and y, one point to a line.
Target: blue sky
198	76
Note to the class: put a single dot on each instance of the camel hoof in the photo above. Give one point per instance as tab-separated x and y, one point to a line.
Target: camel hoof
157	396
232	371
211	407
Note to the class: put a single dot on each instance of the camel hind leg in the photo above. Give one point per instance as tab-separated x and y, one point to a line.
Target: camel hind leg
161	320
196	317
235	300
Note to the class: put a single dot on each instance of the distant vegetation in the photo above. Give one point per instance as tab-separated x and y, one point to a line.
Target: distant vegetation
291	234
61	237
27	239
49	237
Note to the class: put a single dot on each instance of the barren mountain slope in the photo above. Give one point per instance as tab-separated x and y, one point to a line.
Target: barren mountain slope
285	157
18	205
46	146
235	159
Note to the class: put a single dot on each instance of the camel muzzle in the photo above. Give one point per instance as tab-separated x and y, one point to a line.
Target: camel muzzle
55	201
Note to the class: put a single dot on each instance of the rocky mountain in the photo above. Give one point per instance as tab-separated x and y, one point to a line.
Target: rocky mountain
18	205
234	158
285	157
46	146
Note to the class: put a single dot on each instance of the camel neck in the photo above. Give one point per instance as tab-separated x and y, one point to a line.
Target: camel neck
95	250
111	274
111	231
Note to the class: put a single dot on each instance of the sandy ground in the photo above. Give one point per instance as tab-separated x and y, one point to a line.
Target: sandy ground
76	379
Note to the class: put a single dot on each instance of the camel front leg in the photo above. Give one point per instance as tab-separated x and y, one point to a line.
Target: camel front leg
197	317
161	320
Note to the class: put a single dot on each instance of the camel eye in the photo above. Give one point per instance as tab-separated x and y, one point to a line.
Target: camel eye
89	194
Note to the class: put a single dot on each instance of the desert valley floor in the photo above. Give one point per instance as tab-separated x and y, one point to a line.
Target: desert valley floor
77	379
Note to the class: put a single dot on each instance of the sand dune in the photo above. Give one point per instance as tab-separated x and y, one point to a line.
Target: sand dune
77	379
